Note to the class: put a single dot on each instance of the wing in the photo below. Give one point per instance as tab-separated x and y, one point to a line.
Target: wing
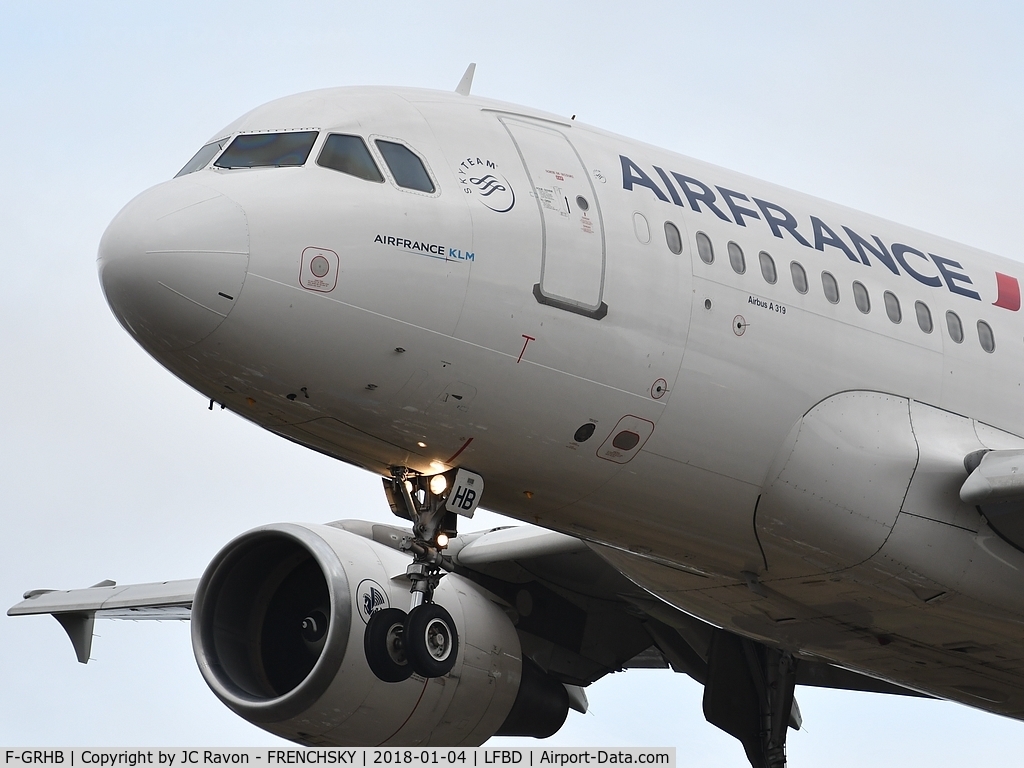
77	609
579	616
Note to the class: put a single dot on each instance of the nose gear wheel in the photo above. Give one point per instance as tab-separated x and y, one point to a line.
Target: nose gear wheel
431	640
384	645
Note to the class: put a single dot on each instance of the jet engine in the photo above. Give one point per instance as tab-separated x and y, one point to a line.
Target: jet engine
278	624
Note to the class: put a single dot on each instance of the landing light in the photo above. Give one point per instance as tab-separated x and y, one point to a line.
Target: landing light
442	540
437	484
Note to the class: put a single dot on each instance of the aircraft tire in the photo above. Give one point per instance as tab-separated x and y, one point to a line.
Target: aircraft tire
384	646
431	640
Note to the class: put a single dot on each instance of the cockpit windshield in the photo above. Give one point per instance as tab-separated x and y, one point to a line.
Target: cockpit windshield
254	150
349	154
202	158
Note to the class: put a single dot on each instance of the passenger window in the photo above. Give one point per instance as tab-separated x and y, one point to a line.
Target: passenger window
672	238
202	158
705	249
830	287
892	306
263	150
641	228
739	264
924	316
955	327
799	277
860	297
405	166
988	341
767	267
349	154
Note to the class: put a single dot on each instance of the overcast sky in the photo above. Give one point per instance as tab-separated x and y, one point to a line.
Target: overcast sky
111	468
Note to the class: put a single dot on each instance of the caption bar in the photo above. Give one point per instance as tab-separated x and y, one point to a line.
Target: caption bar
459	757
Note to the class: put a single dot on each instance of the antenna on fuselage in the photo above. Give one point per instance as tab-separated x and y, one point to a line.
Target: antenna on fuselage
467	81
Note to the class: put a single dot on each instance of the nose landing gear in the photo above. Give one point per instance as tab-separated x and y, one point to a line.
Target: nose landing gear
425	640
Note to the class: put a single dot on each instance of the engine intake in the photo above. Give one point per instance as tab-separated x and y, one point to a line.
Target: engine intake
278	622
271	608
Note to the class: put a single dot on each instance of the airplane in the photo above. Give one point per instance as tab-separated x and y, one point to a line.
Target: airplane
762	439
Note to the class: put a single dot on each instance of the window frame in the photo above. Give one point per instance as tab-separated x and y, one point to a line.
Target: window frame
762	258
220	156
678	236
794	267
835	283
735	251
899	309
711	247
382	164
221	143
959	325
866	309
991	335
369	154
922	309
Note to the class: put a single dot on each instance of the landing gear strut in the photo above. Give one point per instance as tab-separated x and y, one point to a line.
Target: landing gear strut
425	640
749	695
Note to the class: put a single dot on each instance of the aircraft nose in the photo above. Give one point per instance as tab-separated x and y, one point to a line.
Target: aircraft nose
172	263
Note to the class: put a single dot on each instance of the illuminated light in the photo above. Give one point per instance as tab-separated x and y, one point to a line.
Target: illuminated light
408	486
437	466
437	484
442	540
421	444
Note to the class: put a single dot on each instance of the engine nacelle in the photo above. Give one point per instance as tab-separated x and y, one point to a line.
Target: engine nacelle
277	630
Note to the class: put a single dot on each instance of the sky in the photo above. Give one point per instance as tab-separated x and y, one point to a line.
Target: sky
111	468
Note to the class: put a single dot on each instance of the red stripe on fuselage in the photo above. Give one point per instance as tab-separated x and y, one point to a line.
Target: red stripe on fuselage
1009	292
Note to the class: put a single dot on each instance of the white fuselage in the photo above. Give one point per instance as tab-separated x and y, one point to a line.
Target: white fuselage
778	463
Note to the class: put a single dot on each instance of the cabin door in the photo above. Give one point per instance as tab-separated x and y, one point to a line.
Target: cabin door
572	265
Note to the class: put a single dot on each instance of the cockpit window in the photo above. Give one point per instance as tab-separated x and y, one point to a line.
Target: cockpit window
255	150
349	154
405	166
202	158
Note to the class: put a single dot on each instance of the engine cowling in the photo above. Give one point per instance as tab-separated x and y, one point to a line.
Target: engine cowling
277	631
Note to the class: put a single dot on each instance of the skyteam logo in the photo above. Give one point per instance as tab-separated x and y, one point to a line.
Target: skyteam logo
481	179
370	598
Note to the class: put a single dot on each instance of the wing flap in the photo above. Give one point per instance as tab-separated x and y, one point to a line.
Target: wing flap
157	600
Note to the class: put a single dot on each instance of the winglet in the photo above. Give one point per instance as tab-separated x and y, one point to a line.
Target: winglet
79	628
467	81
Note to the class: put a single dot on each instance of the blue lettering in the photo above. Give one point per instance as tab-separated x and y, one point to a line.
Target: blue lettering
632	174
821	229
786	221
706	196
899	250
881	252
949	276
738	211
670	185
